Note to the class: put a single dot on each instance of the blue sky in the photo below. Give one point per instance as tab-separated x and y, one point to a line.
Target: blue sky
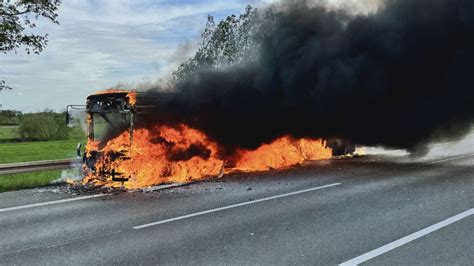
101	43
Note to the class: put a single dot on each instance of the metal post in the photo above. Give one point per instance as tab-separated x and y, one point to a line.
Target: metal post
90	126
132	125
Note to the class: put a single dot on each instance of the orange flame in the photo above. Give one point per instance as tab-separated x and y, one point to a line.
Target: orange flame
164	154
132	98
283	152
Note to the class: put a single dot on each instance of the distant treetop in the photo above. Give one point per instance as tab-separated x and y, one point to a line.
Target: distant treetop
227	43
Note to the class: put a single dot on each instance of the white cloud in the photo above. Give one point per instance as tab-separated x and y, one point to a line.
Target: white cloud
101	43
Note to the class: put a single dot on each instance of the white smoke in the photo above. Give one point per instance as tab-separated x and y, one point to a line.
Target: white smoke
356	7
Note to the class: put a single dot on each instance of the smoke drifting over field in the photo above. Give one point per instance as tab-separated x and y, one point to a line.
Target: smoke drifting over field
396	77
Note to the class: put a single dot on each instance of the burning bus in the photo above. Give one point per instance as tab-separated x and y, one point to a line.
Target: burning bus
104	111
126	147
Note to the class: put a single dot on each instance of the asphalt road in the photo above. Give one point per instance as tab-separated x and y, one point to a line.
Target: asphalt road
378	209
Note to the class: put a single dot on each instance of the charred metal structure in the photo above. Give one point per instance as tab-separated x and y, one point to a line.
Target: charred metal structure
117	109
113	112
110	113
104	105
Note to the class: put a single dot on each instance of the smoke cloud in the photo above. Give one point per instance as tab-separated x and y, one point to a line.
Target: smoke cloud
397	77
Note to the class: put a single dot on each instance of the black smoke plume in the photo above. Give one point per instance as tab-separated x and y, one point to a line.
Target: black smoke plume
398	77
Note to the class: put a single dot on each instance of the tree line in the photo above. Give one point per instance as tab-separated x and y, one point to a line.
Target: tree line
223	44
40	126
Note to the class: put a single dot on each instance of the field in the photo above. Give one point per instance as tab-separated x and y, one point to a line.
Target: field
8	132
33	151
27	180
37	151
12	150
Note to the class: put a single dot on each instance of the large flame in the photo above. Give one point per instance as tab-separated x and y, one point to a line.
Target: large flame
164	154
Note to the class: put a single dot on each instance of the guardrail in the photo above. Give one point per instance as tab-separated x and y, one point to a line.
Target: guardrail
27	167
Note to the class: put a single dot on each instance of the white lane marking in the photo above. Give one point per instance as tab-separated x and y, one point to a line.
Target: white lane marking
234	206
402	241
49	203
387	152
452	158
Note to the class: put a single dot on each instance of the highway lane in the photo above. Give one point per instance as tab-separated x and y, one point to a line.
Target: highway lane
365	203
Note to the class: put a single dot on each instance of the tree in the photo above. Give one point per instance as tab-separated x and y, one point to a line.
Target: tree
227	43
9	117
46	125
16	16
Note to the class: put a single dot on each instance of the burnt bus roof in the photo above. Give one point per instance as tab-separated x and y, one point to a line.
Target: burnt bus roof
116	101
109	95
109	102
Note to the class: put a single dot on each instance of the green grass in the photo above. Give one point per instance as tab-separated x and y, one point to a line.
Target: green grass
9	132
38	151
27	180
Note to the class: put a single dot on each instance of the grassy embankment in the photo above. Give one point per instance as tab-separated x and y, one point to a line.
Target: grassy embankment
37	151
14	152
27	180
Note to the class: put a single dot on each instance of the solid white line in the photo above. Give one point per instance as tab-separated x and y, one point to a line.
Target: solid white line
452	158
402	241
234	206
49	203
451	142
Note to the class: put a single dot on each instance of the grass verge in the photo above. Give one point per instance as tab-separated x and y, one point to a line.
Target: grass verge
38	151
27	180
